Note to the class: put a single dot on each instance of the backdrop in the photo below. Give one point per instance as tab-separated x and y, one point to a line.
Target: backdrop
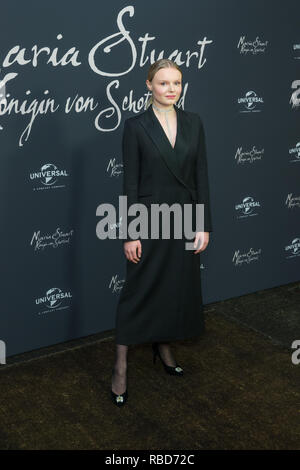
71	72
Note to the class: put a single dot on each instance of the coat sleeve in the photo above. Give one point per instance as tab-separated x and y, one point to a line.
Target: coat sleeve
203	196
131	159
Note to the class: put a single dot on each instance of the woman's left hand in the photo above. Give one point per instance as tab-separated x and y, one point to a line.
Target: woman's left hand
202	238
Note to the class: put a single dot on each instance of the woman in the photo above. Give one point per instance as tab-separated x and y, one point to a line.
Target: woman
164	162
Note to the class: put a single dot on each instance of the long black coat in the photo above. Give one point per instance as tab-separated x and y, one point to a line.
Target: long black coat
161	299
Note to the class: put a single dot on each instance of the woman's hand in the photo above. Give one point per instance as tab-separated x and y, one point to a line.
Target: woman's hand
203	239
133	250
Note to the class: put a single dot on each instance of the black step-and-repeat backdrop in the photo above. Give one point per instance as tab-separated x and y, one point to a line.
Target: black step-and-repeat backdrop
71	72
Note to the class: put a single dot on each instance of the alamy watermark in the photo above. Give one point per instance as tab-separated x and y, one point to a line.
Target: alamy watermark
296	354
109	214
2	352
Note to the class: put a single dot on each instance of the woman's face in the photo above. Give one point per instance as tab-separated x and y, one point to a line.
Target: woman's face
166	86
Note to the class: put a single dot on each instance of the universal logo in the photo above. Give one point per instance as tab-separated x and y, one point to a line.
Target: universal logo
296	49
48	175
247	207
252	47
293	249
295	96
2	352
292	201
248	156
113	168
54	240
250	102
116	284
239	258
295	152
53	300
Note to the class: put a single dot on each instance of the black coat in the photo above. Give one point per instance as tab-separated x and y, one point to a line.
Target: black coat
161	299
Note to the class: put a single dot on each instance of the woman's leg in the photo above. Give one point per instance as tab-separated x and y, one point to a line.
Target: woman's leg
119	376
166	354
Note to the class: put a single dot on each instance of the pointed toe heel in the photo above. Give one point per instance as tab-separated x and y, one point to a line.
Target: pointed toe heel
121	399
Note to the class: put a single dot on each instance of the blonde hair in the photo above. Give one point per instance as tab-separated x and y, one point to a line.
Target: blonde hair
155	67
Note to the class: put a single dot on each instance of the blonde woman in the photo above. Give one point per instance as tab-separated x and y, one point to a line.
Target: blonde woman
164	160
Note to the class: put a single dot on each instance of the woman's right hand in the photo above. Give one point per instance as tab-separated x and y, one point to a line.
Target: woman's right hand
133	250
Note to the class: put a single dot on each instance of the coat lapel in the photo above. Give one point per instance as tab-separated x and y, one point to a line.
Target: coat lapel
154	129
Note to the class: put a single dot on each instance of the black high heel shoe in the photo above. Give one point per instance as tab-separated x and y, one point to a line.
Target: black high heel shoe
177	370
119	400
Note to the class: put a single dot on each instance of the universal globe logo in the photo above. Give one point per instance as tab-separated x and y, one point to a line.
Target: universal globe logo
294	248
250	102
295	96
295	152
296	48
48	174
247	206
53	298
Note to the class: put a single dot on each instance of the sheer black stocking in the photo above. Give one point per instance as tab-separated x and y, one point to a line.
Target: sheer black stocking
119	376
166	354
